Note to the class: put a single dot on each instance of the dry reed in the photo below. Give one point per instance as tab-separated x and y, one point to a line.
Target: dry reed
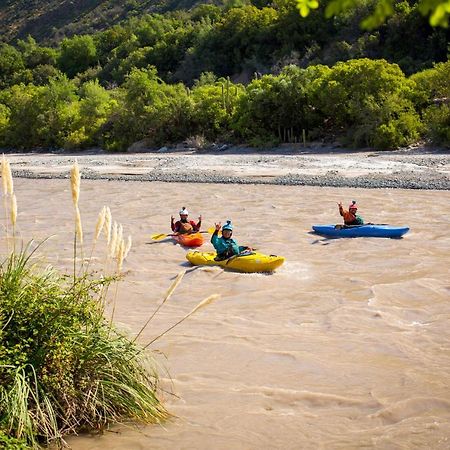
75	180
108	223
169	293
120	255
7	180
8	189
202	304
100	223
13	210
78	225
113	241
119	239
4	170
128	246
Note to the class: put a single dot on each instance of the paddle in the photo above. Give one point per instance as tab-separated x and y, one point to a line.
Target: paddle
244	253
159	236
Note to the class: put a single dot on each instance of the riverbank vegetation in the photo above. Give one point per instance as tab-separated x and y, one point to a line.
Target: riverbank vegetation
64	365
247	73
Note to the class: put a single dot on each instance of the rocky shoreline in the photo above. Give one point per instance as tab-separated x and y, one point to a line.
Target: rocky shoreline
291	167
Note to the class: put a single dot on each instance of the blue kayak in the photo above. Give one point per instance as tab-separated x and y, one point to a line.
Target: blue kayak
369	230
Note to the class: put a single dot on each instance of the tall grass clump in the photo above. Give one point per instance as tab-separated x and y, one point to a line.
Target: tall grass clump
64	366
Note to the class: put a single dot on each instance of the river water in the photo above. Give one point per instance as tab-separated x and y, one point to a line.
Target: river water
346	346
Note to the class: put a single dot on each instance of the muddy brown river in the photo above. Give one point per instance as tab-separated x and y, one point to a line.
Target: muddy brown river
346	346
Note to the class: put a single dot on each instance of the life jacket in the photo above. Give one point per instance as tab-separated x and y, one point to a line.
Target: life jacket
228	253
349	218
184	227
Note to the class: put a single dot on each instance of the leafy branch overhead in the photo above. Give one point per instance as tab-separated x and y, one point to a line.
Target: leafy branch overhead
438	10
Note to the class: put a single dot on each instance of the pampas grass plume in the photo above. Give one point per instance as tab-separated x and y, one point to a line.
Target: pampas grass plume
100	223
120	254
119	239
79	227
13	210
8	186
112	242
174	285
9	179
204	303
75	179
169	293
128	246
3	174
4	182
108	222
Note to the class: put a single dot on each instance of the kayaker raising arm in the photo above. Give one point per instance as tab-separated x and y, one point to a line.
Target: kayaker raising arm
225	246
184	225
350	217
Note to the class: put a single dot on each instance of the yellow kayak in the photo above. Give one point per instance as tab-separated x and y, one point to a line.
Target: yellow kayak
251	262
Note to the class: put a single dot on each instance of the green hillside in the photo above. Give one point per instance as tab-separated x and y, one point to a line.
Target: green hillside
48	20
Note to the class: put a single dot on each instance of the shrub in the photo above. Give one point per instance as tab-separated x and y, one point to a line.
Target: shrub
278	108
437	124
63	366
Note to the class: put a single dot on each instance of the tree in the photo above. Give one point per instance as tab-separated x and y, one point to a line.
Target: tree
4	123
35	55
77	54
11	64
21	115
278	108
94	106
438	10
433	101
369	102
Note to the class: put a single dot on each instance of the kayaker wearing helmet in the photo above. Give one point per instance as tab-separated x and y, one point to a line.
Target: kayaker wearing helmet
225	246
184	225
350	217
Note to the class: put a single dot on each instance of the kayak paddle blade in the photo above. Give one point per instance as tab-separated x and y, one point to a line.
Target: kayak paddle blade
158	237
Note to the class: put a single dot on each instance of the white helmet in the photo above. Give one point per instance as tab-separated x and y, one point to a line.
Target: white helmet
184	211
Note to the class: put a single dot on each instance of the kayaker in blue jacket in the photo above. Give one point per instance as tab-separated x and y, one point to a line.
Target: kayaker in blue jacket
225	246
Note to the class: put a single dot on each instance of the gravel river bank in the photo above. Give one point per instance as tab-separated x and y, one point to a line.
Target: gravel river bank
404	169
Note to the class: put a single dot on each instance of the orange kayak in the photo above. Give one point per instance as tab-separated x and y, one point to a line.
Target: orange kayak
189	240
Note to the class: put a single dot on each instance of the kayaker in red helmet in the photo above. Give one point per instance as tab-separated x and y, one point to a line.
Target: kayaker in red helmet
184	225
351	217
226	246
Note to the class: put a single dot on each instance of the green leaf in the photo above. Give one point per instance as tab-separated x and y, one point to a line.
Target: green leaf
305	6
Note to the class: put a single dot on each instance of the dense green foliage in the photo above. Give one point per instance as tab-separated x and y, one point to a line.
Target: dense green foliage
313	79
363	103
433	92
